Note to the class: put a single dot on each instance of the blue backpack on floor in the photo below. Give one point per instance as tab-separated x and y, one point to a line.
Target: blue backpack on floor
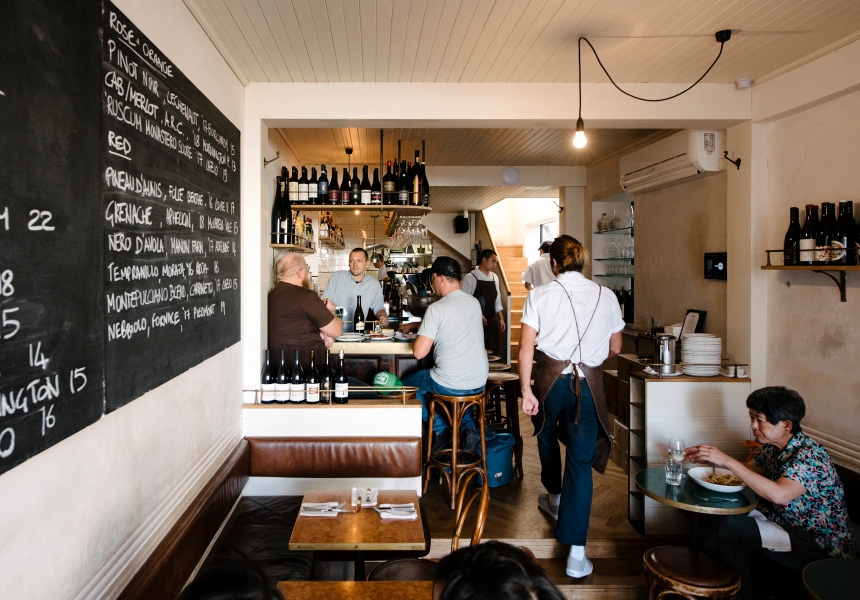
500	457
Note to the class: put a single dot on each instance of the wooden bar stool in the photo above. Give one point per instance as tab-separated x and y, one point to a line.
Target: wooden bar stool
453	462
678	571
505	385
499	366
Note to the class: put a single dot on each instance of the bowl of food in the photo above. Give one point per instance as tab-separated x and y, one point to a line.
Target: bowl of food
716	480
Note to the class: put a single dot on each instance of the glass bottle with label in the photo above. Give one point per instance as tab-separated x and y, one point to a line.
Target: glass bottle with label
297	382
807	235
326	380
313	187
333	189
267	382
823	235
375	189
791	244
282	381
322	187
358	317
844	239
389	188
293	186
313	382
341	383
365	192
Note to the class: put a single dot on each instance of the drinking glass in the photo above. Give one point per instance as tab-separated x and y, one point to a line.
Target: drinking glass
676	449
673	471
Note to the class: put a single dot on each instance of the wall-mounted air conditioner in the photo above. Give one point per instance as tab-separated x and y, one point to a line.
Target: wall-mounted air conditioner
686	155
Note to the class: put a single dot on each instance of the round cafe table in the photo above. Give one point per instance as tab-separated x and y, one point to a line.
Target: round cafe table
831	578
689	496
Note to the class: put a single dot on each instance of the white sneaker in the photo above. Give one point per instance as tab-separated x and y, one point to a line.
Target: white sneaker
545	507
579	567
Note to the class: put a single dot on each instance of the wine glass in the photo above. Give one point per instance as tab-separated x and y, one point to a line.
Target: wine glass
676	449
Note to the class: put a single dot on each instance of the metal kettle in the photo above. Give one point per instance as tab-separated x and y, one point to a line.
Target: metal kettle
664	352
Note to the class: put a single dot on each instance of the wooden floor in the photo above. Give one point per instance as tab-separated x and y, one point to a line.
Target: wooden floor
614	546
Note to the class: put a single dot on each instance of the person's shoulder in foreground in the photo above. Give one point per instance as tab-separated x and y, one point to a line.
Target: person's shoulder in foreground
492	571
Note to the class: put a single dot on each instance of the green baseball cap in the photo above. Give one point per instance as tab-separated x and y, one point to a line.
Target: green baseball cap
386	379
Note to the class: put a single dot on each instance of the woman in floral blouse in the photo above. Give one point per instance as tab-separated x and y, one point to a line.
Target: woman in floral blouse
802	514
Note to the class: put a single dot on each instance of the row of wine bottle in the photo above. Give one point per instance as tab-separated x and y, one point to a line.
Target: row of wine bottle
294	386
829	240
625	301
329	230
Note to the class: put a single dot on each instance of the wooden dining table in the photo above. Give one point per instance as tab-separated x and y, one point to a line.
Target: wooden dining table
356	590
359	533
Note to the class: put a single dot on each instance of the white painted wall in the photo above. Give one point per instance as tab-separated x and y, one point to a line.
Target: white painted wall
510	220
812	336
79	518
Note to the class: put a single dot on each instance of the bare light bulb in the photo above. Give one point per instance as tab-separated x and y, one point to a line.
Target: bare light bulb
579	140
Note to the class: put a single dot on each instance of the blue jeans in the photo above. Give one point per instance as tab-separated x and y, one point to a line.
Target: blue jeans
426	385
575	484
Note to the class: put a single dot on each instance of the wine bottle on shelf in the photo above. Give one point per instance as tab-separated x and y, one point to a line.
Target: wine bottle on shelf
326	380
364	189
275	217
415	195
297	382
389	188
313	187
341	383
844	238
823	236
375	189
267	381
358	317
807	235
309	232
403	185
425	187
355	196
303	186
791	245
346	189
333	189
312	381
322	186
282	381
293	186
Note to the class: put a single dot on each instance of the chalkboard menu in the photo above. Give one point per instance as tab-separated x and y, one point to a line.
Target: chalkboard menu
51	316
170	182
119	221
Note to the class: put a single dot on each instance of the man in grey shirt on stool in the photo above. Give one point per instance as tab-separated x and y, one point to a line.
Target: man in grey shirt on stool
452	330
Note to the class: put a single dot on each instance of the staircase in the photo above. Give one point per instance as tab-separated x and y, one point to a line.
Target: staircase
514	264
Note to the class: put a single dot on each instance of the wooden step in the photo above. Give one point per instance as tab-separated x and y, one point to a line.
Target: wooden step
505	251
517	302
615	578
517	287
514	262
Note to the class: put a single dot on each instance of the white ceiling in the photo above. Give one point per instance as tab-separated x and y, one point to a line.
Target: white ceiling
510	41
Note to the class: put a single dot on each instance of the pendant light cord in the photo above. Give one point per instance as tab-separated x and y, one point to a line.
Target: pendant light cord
722	43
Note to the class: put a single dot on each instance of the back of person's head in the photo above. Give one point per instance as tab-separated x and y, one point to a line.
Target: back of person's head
290	264
778	403
231	580
493	571
486	255
568	254
545	247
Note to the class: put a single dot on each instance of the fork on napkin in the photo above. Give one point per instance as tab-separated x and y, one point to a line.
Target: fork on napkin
320	509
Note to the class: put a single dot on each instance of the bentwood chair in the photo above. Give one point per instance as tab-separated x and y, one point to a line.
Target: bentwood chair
417	569
673	571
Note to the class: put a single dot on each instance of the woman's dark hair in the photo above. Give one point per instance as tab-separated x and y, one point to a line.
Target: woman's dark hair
568	254
231	580
777	404
493	571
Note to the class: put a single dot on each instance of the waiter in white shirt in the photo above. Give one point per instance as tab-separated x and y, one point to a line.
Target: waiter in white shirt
483	284
577	325
540	271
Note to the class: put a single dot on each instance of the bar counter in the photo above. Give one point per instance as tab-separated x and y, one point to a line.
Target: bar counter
363	360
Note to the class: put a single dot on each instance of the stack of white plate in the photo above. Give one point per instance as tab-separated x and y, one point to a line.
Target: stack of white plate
703	352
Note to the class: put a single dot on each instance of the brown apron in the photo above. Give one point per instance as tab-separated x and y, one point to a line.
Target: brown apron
549	369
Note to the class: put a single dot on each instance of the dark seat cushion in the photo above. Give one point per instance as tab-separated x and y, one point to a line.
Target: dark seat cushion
258	533
690	567
406	569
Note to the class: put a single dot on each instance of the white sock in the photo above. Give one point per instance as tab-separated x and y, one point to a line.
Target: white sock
577	552
554	499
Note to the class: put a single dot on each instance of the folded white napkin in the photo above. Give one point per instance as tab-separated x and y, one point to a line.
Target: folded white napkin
773	537
395	513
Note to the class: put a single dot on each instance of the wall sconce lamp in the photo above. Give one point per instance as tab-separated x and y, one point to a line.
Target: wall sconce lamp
579	139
